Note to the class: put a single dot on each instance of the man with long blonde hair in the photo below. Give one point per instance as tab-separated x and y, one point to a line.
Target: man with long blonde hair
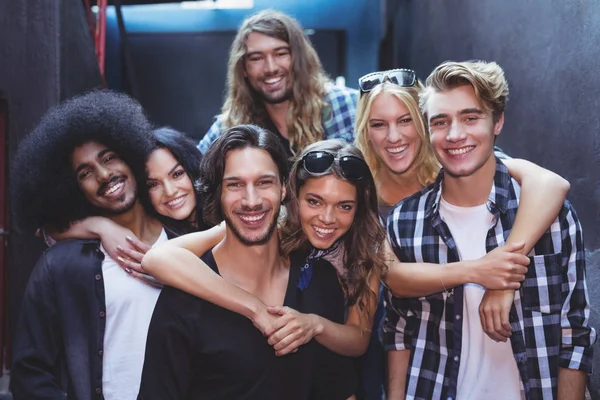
275	80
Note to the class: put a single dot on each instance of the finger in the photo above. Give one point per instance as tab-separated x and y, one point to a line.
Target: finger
136	255
130	264
504	319
482	318
276	326
502	333
291	348
280	336
513	285
276	310
520	259
138	244
286	341
514	246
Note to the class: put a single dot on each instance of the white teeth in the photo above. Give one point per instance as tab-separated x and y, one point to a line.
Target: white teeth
396	150
114	188
462	150
273	80
252	219
176	202
323	232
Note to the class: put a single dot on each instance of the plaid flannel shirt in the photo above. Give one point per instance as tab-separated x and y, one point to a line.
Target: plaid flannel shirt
549	317
338	117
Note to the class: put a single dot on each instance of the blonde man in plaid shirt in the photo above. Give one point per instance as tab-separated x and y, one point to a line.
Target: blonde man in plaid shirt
467	212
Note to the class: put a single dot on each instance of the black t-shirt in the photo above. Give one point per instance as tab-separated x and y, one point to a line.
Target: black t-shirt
197	350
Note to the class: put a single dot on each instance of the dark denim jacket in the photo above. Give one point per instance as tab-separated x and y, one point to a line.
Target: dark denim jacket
59	339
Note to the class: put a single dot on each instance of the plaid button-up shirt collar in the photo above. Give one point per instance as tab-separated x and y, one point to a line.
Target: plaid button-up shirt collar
432	326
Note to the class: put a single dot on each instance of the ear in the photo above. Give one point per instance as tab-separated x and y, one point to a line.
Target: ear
283	192
499	124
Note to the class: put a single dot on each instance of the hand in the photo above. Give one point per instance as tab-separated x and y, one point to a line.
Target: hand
502	268
494	311
130	259
263	320
291	330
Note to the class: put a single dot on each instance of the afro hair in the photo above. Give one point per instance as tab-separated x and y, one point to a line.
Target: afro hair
44	188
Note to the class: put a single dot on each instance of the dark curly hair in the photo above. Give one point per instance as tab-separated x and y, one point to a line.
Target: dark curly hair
184	150
44	187
212	167
363	243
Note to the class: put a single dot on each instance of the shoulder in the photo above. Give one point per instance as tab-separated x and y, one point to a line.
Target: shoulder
341	94
212	134
415	202
70	251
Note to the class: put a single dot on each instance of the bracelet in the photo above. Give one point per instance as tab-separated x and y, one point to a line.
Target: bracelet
442	278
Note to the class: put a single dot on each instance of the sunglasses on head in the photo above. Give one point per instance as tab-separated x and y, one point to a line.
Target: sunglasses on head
320	162
400	77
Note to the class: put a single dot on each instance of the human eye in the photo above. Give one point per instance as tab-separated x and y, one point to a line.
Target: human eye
178	173
265	182
346	207
84	174
438	123
376	124
471	118
151	184
406	120
282	53
312	202
255	57
234	185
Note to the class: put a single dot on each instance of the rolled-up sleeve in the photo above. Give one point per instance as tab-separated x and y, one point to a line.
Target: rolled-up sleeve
578	336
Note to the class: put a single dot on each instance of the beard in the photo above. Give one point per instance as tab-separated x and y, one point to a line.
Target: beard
254	241
287	95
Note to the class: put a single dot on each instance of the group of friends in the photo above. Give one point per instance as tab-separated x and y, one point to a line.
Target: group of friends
320	242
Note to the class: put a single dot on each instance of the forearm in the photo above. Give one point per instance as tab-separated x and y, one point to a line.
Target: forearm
183	270
571	384
89	228
347	340
542	196
198	242
410	280
397	363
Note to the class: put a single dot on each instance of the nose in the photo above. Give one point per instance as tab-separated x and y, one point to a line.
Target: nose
394	134
455	132
270	65
252	198
170	188
103	174
327	217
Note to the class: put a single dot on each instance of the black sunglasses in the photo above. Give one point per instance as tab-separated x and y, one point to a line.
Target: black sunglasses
400	77
319	162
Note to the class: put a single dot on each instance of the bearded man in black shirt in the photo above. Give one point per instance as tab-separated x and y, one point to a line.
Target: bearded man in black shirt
196	349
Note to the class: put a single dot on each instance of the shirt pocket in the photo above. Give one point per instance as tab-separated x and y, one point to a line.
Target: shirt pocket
542	288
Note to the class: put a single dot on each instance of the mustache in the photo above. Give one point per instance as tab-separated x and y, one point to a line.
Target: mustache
256	208
104	187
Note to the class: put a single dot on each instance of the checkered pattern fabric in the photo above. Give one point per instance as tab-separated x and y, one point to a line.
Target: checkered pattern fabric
549	317
338	117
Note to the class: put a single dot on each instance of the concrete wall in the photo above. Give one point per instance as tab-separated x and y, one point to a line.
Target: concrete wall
550	52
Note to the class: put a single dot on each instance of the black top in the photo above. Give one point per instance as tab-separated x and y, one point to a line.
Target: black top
197	350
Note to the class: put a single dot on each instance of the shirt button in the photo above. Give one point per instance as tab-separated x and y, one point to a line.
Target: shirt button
98	390
455	359
100	352
457	317
449	398
102	314
98	277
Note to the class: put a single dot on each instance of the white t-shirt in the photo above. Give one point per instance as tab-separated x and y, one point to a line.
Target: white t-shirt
487	369
129	306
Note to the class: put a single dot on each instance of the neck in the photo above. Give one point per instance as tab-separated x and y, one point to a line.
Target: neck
278	114
391	187
472	190
249	267
146	228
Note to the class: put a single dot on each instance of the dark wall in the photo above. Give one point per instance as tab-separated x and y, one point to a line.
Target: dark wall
551	55
46	55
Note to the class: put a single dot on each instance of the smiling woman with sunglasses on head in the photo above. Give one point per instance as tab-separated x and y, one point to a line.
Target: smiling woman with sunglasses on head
392	134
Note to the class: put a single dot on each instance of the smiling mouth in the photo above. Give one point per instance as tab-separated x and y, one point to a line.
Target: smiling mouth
113	189
323	233
461	151
273	81
397	150
176	202
253	219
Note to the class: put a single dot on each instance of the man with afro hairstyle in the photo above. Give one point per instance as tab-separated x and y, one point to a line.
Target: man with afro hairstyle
83	324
